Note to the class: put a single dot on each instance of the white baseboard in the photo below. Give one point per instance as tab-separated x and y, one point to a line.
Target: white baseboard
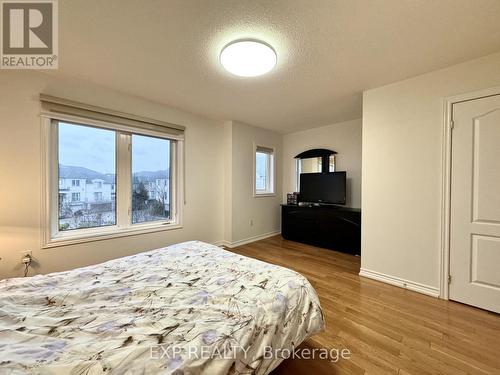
402	283
246	240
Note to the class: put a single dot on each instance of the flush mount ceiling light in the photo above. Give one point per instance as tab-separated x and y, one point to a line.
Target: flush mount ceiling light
248	58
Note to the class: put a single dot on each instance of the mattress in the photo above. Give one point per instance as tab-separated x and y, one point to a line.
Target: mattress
190	308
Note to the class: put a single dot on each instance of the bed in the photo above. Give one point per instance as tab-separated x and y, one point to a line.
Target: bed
190	308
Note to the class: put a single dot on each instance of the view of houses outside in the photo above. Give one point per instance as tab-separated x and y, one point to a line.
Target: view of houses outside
150	190
87	178
91	202
85	202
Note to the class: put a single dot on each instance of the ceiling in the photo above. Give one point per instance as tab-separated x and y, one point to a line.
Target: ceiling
329	51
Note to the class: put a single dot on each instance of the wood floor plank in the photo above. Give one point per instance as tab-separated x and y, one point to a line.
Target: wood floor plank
388	330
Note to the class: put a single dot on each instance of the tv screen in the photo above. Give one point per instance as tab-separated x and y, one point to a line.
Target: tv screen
323	187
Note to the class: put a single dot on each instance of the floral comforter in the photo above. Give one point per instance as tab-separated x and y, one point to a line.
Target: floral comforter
190	308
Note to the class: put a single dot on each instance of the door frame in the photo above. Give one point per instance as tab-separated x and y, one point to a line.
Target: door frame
446	164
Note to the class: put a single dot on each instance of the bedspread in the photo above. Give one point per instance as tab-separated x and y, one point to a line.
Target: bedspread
189	308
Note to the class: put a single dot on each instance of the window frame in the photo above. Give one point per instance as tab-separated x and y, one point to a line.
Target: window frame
53	237
270	190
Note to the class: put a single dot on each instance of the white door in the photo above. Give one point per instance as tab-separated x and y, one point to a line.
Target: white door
475	203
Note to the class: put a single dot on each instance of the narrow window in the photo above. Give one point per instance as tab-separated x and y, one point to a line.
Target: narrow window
264	171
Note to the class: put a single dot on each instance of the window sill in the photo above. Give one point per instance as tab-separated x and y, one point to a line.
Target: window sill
66	240
259	195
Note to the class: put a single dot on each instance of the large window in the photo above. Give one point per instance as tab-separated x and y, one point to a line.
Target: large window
264	171
105	180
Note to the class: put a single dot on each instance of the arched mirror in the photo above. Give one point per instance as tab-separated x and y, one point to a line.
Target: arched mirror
318	160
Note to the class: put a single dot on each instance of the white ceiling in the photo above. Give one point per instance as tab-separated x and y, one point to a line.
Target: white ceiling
329	51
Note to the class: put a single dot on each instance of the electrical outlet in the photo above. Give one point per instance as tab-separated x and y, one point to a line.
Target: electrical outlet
26	256
26	252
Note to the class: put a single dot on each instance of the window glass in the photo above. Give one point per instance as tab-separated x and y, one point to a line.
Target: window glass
264	170
150	179
86	173
261	171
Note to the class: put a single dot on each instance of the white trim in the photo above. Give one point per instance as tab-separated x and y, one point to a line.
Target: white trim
444	267
247	240
45	169
402	283
262	195
444	259
115	233
123	174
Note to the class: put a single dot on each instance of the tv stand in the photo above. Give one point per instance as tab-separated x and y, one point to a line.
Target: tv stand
329	226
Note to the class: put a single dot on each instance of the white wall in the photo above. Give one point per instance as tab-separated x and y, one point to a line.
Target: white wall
263	211
343	137
228	181
402	145
20	174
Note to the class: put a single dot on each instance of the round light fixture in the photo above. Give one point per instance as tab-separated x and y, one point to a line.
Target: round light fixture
248	58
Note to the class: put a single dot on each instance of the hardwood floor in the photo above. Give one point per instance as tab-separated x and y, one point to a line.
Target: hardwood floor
388	330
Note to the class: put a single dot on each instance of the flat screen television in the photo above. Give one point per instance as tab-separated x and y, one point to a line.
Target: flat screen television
328	188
